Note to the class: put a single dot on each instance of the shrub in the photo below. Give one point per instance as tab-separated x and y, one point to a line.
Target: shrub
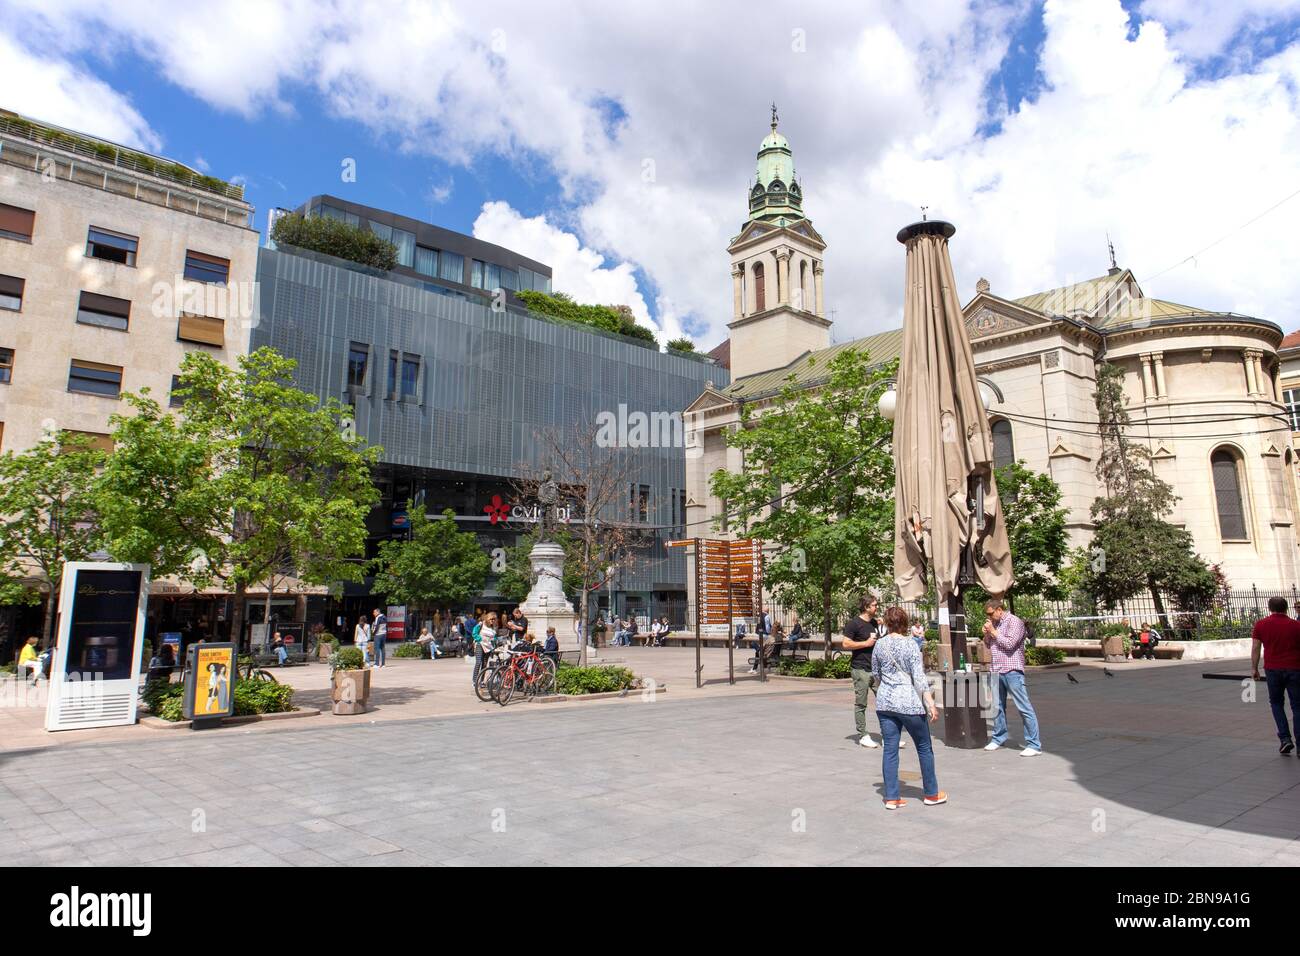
165	699
593	680
680	345
1037	656
836	669
156	692
333	237
611	318
347	659
410	649
262	697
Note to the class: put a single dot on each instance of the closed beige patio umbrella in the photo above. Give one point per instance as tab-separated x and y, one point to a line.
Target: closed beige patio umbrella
943	448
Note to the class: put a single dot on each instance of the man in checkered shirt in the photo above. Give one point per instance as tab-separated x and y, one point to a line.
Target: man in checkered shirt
1004	635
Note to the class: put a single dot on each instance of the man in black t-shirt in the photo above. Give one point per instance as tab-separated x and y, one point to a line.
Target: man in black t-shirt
860	635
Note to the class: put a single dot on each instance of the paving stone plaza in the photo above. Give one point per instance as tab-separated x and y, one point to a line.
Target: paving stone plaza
1155	766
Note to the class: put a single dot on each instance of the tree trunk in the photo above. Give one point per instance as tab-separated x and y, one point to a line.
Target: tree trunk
47	625
586	623
237	618
266	612
1159	604
826	615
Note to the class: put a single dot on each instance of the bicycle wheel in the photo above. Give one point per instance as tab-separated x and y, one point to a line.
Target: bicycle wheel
263	675
483	686
546	682
503	688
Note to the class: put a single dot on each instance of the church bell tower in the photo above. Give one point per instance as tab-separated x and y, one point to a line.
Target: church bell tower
776	269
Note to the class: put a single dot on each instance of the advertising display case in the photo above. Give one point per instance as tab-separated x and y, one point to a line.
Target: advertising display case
95	672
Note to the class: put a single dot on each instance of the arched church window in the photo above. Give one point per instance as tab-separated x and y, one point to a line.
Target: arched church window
803	284
760	290
1226	470
1004	446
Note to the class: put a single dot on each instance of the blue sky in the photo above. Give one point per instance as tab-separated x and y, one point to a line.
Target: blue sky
1073	117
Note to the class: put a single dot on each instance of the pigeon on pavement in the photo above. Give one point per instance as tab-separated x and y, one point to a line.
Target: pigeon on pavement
1072	678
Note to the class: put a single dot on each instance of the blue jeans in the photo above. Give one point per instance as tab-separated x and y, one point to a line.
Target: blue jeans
380	657
1014	682
282	655
891	728
1284	683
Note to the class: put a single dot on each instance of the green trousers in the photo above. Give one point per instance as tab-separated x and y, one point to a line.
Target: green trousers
863	682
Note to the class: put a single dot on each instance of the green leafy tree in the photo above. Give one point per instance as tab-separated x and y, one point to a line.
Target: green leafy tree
49	518
437	565
827	448
682	344
1134	547
1035	528
260	481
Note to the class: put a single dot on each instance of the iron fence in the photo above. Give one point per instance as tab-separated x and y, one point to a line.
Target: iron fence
1230	614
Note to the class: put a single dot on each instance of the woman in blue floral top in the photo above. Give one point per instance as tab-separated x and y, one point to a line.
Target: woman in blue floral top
903	700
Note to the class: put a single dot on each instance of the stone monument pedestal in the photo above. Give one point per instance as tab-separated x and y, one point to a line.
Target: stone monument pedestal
546	606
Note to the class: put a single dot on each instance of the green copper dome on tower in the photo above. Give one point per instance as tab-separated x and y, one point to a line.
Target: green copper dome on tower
775	194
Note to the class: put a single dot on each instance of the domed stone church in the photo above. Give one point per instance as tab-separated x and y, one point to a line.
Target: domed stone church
1202	386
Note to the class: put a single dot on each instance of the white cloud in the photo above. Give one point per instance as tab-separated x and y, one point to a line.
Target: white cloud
60	93
649	115
579	271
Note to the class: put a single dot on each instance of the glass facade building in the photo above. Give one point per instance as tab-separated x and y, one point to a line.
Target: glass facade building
456	392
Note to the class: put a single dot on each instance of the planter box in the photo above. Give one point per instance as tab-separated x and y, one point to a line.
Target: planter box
323	651
1209	650
1112	647
350	691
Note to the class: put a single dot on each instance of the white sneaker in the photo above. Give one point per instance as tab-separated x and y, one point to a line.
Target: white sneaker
1030	752
866	741
902	743
992	746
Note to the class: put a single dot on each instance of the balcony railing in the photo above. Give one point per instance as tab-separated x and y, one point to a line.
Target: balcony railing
117	156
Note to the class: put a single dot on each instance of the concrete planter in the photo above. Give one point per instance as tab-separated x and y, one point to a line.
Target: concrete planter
350	691
1112	647
1209	650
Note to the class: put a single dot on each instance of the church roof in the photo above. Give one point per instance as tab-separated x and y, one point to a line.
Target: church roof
721	353
1113	301
809	369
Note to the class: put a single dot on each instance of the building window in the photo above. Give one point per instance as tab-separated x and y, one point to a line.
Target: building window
760	290
681	513
509	279
6	366
11	293
640	502
201	267
16	223
476	273
426	261
1004	446
104	311
451	266
358	357
92	378
392	374
1291	399
1227	495
405	242
91	441
410	377
111	246
203	329
174	400
491	276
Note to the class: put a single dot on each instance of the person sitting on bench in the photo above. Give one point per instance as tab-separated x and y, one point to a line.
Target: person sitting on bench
1144	646
281	654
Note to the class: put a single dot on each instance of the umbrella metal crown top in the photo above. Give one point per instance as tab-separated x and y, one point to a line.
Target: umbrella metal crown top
927	227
